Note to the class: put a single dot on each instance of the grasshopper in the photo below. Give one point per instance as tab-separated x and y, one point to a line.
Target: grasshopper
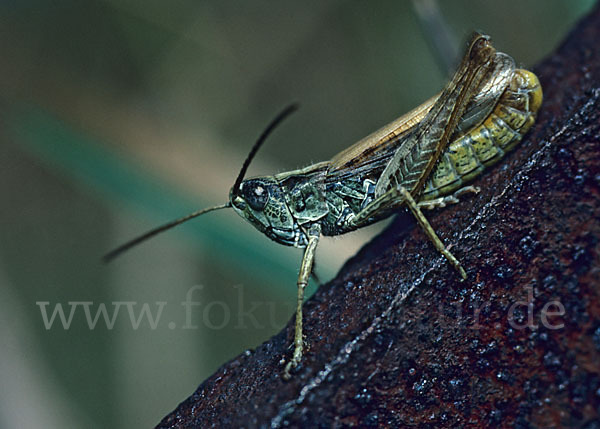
421	160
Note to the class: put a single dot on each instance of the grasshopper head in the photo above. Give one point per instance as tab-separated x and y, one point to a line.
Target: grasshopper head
261	202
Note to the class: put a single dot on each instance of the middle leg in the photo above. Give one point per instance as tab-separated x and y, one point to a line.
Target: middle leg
395	197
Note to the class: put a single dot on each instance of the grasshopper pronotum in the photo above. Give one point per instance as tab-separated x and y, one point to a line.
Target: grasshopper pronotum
422	159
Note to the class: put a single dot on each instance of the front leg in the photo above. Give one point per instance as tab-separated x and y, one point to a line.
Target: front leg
305	272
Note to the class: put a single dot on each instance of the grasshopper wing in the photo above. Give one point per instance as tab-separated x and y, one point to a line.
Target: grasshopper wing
414	159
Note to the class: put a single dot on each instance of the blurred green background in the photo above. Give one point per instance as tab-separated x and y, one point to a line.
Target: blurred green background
120	115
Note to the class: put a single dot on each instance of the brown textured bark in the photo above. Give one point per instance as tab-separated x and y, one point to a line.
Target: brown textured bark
396	339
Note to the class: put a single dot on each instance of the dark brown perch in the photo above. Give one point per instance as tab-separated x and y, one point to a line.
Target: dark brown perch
396	339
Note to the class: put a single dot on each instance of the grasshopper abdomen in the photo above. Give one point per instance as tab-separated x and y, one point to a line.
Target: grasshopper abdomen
485	145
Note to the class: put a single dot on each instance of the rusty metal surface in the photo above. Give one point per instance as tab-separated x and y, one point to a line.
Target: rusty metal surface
398	340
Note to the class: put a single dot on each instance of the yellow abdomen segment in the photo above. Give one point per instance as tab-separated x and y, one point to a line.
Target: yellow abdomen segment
467	156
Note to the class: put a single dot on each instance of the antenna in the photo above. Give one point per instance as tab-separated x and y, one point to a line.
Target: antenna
124	247
282	115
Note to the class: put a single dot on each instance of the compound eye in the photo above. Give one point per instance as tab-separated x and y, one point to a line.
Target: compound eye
256	195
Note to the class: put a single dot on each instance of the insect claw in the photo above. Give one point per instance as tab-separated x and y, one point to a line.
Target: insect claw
292	365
